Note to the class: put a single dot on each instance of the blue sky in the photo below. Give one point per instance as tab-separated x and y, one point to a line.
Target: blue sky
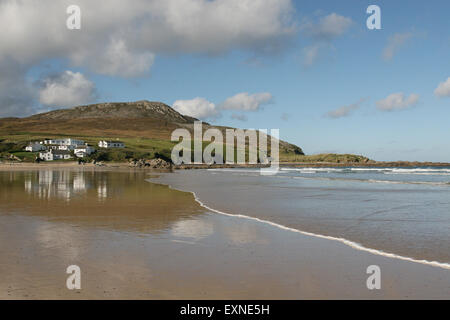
329	103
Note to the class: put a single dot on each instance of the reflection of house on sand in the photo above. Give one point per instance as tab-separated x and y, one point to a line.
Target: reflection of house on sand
102	189
61	184
67	185
120	201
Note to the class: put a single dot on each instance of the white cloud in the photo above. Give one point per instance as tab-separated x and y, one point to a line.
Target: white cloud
443	89
344	111
198	108
240	117
36	29
121	38
116	60
323	32
397	101
328	27
246	102
395	42
203	109
311	54
66	90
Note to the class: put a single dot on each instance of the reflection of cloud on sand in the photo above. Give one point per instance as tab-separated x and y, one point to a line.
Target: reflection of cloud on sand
65	239
195	229
238	233
244	234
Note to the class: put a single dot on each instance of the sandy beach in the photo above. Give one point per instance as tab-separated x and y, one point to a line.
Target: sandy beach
134	239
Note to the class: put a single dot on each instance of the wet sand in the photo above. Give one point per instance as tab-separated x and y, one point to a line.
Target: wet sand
137	240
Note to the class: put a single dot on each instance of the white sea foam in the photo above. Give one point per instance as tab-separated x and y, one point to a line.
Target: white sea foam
314	169
429	183
349	243
311	170
423	171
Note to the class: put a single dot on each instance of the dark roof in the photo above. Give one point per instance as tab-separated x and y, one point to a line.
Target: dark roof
109	141
61	152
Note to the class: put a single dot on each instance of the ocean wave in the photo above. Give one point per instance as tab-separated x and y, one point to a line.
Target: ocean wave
311	171
430	183
421	171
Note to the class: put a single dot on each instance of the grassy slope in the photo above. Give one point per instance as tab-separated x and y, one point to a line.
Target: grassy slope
143	137
327	158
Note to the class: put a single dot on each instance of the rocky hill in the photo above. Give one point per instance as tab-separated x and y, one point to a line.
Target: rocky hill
117	110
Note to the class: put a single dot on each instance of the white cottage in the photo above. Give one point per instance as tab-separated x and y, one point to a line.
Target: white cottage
69	143
82	151
111	144
59	147
55	155
34	147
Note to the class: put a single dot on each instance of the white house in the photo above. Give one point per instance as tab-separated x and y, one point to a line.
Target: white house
64	142
111	144
34	147
59	147
82	151
55	155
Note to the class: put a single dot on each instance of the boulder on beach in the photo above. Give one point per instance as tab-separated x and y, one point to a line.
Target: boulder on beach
154	164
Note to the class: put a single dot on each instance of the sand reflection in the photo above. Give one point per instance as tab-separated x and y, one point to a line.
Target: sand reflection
120	201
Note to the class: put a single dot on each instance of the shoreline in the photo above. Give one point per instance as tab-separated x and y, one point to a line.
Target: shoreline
126	165
352	244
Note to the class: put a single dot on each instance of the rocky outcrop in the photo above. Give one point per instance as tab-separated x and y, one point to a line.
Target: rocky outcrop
153	164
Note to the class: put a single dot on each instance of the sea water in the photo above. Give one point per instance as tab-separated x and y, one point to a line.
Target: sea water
397	211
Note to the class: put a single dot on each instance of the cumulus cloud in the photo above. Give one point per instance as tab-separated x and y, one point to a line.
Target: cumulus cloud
443	89
328	27
246	102
397	101
198	108
116	60
122	38
66	90
395	43
202	108
37	29
344	111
